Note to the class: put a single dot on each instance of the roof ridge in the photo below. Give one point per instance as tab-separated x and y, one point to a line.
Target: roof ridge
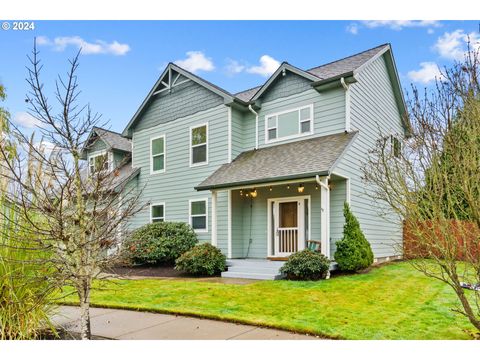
253	87
111	131
348	57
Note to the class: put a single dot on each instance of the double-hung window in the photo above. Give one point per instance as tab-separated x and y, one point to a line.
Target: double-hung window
157	212
198	215
199	145
99	162
289	124
157	154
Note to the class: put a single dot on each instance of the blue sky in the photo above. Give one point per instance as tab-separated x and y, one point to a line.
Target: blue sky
123	59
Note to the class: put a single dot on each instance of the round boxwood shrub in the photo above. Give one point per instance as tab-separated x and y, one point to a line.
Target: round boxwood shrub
159	243
353	250
204	259
306	265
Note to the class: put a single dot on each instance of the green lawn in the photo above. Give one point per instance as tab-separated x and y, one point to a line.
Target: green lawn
390	302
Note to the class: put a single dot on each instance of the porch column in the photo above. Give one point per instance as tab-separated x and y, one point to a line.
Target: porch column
325	215
229	225
214	218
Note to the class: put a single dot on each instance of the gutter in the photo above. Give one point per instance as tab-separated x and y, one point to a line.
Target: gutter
256	124
261	181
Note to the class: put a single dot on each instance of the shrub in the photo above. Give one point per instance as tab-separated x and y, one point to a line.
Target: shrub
160	242
306	265
204	259
353	250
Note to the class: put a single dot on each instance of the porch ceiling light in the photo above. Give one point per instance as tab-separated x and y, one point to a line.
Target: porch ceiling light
253	193
301	188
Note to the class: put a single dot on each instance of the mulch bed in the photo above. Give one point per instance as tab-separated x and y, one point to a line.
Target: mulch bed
148	271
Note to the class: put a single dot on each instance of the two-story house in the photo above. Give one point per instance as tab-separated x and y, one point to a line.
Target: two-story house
261	172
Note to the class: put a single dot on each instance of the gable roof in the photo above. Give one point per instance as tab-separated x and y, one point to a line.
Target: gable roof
319	75
305	158
348	64
167	81
112	140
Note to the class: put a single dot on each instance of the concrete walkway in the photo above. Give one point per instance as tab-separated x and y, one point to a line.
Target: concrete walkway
136	325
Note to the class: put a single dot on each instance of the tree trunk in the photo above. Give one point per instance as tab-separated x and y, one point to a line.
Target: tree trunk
84	295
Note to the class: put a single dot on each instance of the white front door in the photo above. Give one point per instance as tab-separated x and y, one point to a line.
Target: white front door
288	226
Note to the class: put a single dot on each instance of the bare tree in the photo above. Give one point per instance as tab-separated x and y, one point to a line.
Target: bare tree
76	213
433	183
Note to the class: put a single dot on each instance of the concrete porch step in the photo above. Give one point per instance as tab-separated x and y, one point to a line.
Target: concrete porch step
251	275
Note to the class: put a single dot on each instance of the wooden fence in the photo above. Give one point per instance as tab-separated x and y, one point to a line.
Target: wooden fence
460	239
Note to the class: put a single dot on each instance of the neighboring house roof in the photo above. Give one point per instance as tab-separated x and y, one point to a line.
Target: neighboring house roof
112	140
318	75
306	158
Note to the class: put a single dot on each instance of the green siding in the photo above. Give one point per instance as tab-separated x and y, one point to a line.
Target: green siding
373	109
328	110
285	86
338	196
253	220
184	100
98	145
175	187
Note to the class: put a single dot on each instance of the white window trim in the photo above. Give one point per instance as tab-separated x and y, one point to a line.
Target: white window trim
206	214
294	136
164	154
164	211
190	146
101	153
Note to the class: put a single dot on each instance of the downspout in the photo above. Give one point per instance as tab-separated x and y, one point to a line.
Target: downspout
256	124
347	104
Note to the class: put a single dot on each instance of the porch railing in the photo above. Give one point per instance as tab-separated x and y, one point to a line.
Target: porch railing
287	240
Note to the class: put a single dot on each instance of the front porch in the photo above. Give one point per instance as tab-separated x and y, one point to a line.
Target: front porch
267	223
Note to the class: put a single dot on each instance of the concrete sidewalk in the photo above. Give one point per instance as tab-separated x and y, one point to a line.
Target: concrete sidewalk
136	325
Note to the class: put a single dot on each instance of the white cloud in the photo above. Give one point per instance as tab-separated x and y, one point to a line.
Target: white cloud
427	73
196	61
397	25
234	66
453	45
352	28
26	120
400	24
267	66
60	43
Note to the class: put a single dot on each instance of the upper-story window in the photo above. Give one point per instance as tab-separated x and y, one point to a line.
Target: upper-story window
289	124
199	145
157	154
396	146
99	162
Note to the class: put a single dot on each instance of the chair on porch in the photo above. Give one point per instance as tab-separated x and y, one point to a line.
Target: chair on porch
314	245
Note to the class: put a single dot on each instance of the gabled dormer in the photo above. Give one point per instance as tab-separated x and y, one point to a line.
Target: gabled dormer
106	150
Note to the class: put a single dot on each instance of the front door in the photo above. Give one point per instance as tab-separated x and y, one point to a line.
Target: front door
288	226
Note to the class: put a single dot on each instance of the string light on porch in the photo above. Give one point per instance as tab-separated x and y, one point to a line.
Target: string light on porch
270	188
253	193
288	186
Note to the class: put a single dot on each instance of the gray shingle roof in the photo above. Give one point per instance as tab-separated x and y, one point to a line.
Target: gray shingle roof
114	140
281	162
345	65
327	71
247	94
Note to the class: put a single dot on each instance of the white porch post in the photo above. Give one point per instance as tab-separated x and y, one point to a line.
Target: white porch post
229	225
214	218
325	215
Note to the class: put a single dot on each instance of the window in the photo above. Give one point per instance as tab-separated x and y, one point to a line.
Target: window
99	162
198	215
157	154
157	212
199	145
396	146
289	124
